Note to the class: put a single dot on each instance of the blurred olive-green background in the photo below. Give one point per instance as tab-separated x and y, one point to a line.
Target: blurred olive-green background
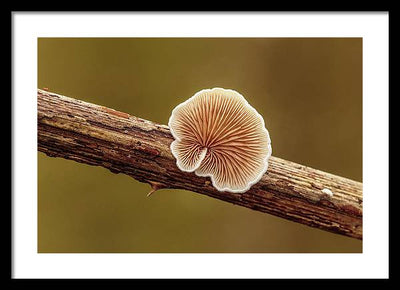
309	91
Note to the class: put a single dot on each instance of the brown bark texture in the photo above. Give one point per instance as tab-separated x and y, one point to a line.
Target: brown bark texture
97	135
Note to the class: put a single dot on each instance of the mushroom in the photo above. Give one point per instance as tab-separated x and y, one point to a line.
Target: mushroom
218	134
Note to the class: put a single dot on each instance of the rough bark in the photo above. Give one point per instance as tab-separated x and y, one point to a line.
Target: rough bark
101	136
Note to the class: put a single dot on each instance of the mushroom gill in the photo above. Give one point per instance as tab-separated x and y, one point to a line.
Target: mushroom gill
218	134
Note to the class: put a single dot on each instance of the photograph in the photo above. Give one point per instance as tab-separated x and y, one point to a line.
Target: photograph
199	145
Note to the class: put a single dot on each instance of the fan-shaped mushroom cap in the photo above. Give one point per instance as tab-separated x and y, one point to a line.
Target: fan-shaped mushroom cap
218	134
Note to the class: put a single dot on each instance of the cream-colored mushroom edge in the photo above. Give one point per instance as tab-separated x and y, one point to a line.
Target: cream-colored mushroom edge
218	134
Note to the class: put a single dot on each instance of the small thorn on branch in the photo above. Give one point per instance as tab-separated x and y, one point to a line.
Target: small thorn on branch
154	187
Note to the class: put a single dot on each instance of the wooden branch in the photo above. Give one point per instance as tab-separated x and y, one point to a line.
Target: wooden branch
97	135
